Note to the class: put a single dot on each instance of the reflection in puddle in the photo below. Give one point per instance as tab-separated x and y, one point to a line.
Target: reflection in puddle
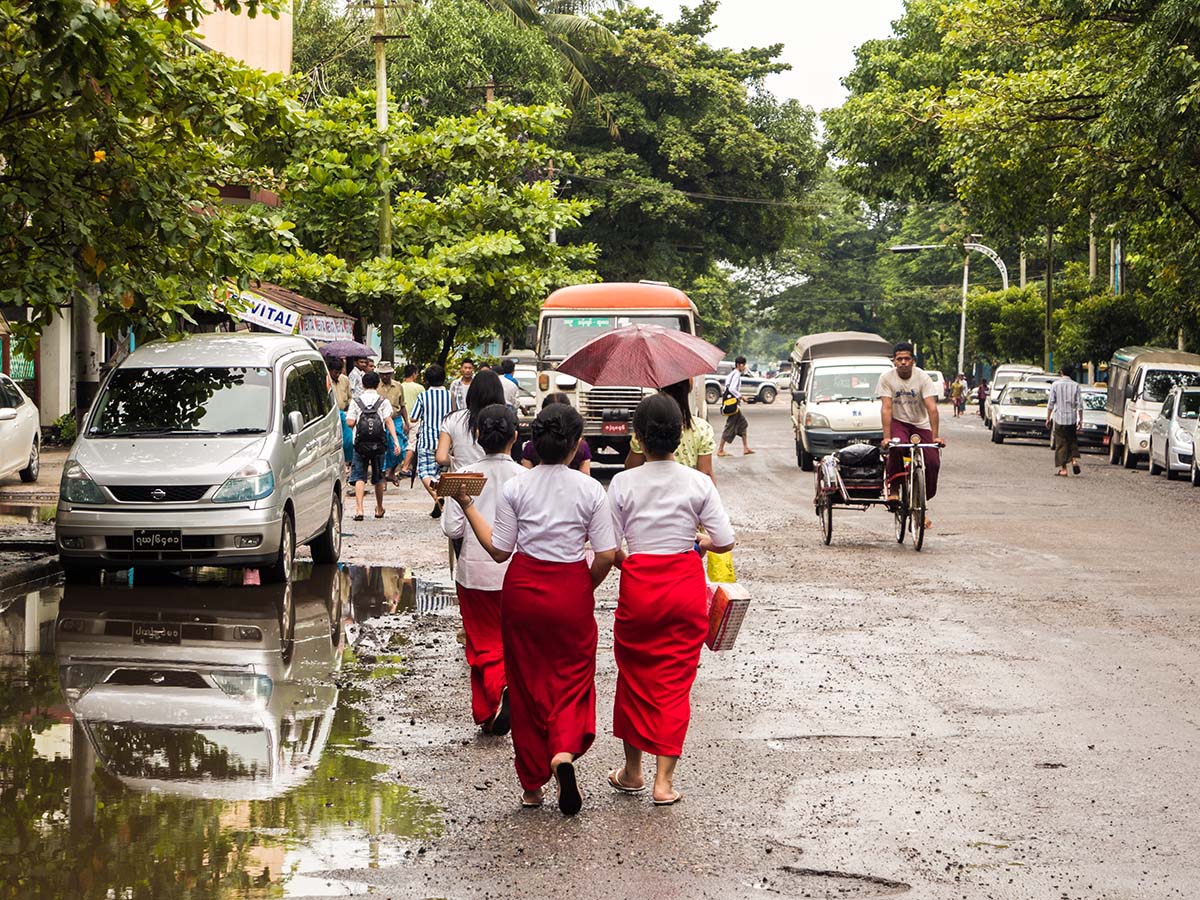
185	739
379	590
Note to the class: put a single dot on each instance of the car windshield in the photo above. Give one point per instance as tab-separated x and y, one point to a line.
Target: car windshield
172	401
182	753
1160	381
1026	396
1189	406
846	383
1094	400
563	335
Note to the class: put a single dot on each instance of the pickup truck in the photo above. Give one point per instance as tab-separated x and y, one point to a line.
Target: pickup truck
754	389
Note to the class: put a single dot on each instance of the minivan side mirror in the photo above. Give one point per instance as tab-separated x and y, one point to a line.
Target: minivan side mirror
294	423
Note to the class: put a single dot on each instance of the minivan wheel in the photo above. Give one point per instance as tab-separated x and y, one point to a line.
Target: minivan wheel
807	463
327	546
29	474
1114	449
76	573
1195	474
1128	459
712	395
280	571
1154	468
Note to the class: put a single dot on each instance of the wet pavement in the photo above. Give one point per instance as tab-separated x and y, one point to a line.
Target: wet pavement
1008	714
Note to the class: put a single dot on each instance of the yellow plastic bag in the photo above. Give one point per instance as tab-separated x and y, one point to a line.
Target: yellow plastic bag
720	567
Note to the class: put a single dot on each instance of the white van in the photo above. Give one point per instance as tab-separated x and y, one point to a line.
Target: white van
834	376
219	449
1139	379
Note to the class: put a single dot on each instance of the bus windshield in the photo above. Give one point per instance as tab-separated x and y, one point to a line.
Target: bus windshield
563	335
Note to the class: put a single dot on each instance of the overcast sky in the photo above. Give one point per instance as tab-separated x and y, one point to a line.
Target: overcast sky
819	37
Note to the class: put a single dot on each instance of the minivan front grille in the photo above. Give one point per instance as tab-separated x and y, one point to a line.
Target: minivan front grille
151	493
594	402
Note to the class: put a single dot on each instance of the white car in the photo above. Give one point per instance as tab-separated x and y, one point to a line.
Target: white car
20	433
1172	433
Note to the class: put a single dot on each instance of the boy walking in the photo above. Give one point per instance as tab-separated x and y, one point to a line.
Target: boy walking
370	415
426	415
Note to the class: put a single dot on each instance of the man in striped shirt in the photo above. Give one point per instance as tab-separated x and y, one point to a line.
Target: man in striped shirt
426	416
1064	414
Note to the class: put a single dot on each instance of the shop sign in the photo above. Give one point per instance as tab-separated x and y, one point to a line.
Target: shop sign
259	311
326	328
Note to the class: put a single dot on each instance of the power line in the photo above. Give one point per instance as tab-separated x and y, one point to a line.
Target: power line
698	195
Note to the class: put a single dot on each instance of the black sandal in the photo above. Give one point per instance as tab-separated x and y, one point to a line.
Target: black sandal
570	798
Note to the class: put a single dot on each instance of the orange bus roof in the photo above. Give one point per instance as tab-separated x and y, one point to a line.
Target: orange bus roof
620	295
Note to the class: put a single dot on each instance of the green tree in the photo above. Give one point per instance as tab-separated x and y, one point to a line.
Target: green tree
114	131
471	248
708	169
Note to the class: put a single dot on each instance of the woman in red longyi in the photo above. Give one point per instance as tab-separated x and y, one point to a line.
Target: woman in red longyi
661	619
478	577
547	615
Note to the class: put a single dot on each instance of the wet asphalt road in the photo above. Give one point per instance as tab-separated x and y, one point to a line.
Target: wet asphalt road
1010	713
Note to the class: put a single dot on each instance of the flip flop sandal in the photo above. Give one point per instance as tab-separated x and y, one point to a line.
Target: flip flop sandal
570	798
358	518
617	785
675	798
525	804
1076	469
379	515
502	721
747	453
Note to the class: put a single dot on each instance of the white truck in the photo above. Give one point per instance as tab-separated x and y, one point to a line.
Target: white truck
1139	379
834	375
571	317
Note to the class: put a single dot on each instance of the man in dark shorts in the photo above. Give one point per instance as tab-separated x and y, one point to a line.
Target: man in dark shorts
736	425
368	458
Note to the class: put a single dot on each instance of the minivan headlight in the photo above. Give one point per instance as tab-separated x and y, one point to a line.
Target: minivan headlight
77	486
251	482
815	420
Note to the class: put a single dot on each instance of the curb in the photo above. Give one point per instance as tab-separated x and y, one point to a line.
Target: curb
40	568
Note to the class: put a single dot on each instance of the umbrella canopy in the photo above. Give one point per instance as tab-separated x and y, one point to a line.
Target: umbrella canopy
642	356
346	350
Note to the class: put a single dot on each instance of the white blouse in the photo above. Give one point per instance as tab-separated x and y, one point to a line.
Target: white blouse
657	506
464	449
476	569
550	513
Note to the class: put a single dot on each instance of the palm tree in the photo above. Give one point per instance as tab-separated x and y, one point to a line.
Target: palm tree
570	31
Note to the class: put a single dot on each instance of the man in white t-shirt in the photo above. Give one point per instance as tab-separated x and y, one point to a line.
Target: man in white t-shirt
368	459
908	398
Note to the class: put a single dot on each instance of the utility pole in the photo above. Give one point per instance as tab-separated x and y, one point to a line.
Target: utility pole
1093	255
1046	354
550	173
379	39
962	322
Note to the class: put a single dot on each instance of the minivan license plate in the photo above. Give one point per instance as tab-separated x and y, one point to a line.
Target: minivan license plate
614	428
144	539
156	632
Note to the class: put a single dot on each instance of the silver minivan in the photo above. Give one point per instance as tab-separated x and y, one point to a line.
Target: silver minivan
218	449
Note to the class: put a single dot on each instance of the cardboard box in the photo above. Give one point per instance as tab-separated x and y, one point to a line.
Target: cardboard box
727	605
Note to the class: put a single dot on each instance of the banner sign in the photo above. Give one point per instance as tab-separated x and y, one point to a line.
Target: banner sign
267	314
326	328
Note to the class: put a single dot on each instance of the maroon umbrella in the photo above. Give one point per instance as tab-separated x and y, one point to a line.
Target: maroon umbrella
642	356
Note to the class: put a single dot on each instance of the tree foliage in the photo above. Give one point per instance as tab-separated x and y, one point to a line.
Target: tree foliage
114	131
472	218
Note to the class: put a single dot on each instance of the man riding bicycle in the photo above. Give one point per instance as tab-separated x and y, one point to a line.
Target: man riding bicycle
908	398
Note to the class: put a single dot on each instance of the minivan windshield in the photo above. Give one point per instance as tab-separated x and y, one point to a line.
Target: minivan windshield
1160	381
563	335
1026	396
182	401
845	383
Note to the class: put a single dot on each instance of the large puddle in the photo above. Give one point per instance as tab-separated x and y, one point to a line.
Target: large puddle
187	737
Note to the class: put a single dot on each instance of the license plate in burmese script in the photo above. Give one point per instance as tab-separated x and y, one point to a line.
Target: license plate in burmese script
614	428
157	539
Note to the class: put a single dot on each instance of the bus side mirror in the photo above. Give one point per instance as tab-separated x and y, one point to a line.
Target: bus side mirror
530	337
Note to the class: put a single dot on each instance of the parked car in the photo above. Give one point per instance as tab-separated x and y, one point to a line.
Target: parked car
1094	431
1002	376
1020	412
20	433
754	389
939	382
1139	379
221	449
1173	431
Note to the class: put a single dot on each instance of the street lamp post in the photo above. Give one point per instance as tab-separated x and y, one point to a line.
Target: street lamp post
968	245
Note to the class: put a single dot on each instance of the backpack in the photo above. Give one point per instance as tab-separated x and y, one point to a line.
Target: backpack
369	432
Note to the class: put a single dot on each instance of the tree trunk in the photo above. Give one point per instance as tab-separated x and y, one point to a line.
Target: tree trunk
387	332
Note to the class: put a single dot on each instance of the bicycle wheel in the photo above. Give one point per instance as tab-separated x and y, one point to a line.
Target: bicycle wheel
825	513
917	507
901	512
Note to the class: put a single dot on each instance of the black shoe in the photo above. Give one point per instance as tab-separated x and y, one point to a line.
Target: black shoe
437	511
503	719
